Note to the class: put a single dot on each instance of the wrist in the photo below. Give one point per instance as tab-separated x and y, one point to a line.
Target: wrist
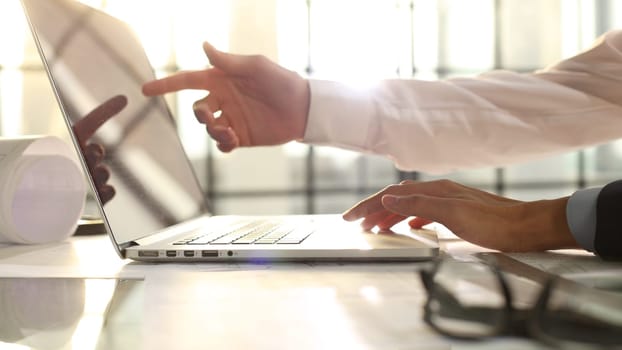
547	225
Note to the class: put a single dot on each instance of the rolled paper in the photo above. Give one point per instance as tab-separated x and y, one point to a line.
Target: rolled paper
42	190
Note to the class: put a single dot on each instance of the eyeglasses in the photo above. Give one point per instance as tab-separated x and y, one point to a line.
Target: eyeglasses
474	301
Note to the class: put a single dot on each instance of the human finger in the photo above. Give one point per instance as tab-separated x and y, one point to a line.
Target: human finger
438	188
226	139
408	182
418	222
218	128
369	205
370	221
226	147
227	62
94	153
106	192
384	220
203	112
373	203
197	80
390	221
213	102
86	127
447	211
101	174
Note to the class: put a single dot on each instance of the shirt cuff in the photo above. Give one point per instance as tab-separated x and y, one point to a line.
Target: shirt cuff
581	216
339	115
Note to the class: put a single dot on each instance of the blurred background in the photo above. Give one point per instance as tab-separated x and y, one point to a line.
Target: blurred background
350	40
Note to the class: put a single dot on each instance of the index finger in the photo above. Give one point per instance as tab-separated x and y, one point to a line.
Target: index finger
176	82
88	125
369	205
372	204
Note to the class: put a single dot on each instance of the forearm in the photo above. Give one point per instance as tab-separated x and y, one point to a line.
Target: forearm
444	126
495	119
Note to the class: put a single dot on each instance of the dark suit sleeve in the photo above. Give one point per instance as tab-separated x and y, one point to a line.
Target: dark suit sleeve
608	238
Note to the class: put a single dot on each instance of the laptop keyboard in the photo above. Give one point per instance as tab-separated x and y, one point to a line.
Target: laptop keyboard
262	232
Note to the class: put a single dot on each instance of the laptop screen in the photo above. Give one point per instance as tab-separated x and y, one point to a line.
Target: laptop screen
97	66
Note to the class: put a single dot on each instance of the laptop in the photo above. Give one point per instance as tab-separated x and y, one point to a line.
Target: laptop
158	211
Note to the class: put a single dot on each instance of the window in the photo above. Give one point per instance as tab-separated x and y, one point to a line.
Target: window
350	40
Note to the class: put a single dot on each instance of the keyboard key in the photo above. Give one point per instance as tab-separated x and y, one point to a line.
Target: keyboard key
260	232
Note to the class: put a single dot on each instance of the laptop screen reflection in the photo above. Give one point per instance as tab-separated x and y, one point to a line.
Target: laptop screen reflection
129	142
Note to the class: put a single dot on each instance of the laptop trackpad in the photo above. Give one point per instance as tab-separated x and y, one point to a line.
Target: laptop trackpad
391	239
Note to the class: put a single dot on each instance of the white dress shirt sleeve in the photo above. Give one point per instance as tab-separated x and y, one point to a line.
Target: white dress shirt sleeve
495	119
581	216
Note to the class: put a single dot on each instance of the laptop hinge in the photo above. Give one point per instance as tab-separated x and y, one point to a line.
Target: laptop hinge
124	246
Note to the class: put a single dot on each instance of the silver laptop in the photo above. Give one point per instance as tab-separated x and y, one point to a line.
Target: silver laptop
158	210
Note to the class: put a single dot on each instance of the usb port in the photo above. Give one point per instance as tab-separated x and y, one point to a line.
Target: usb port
188	253
209	253
171	253
148	253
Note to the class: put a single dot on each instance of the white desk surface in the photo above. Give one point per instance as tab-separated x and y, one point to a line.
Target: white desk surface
231	306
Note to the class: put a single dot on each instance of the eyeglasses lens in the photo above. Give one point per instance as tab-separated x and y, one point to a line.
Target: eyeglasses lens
466	300
579	315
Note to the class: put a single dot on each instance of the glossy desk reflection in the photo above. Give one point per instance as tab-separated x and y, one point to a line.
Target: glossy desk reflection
70	313
228	306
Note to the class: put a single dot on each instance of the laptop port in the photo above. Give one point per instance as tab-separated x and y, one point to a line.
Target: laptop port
209	253
188	253
148	253
171	253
